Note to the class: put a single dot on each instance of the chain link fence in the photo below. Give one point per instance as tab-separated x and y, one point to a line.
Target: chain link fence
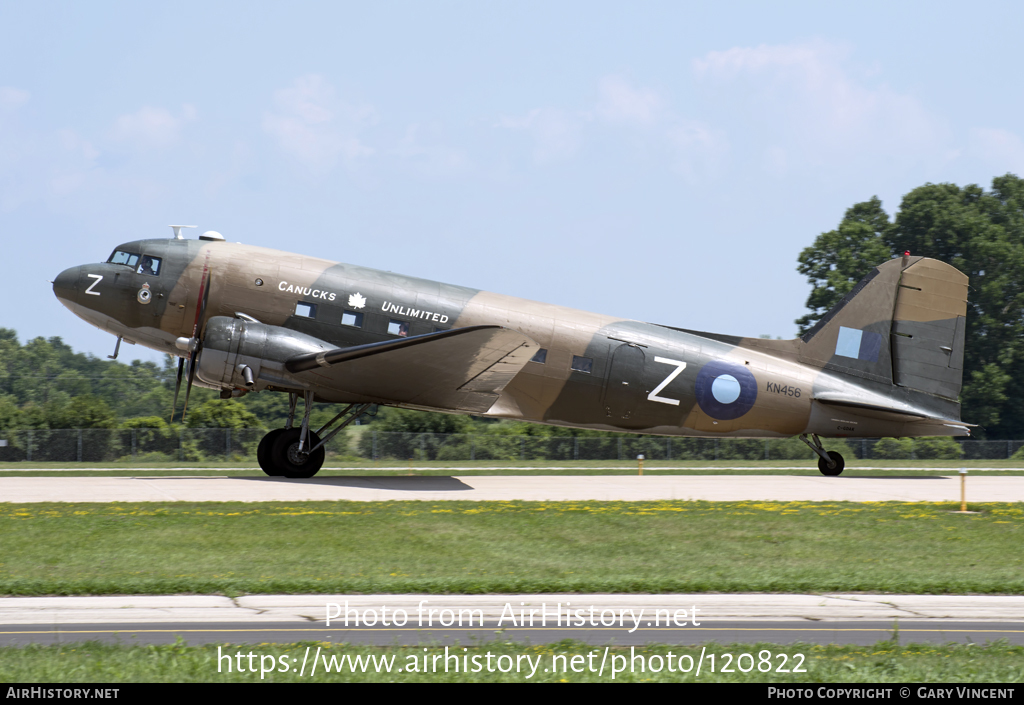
224	444
143	445
429	446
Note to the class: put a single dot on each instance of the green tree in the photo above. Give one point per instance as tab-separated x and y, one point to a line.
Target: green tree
842	257
392	419
221	413
403	433
86	411
979	232
135	389
10	415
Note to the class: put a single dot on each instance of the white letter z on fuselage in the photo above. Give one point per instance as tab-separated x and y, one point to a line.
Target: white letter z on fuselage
98	278
680	366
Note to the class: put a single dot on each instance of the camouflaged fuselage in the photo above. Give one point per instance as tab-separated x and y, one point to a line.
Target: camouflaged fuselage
596	371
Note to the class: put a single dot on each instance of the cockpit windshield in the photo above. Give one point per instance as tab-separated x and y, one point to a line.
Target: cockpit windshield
142	265
122	257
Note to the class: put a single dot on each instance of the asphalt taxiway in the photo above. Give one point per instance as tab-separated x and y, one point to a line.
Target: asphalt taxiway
622	620
260	488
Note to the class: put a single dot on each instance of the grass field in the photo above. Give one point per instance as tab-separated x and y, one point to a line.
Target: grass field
515	547
885	662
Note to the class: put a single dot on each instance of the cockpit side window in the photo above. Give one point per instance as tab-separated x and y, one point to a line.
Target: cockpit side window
149	265
122	257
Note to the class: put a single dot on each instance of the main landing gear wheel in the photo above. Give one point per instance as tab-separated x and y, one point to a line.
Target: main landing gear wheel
833	471
263	453
286	458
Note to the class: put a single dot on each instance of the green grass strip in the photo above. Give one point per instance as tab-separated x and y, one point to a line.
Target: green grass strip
567	661
518	547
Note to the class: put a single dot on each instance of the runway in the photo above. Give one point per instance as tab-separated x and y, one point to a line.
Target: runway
608	619
437	620
260	488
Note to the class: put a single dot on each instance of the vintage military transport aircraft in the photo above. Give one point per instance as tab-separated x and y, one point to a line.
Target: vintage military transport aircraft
886	361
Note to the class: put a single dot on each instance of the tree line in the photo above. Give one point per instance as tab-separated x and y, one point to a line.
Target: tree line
978	231
45	384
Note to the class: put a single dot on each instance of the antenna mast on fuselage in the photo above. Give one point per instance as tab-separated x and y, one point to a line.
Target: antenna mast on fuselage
177	230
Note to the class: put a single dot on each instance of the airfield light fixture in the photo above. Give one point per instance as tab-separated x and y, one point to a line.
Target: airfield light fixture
963	489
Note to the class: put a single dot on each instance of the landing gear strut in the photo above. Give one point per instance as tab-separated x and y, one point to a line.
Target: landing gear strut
299	452
830	463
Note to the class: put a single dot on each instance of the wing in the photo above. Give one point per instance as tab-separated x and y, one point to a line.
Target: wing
463	369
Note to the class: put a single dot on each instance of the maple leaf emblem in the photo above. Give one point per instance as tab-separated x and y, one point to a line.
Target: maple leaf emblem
356	300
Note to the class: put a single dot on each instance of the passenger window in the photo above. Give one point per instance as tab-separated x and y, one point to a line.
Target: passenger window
122	257
399	328
305	310
540	356
149	265
351	318
582	364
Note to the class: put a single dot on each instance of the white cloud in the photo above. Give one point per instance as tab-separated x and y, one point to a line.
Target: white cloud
807	94
775	161
806	59
12	98
38	165
150	127
71	170
70	140
1002	149
422	148
557	134
315	128
621	102
695	149
699	150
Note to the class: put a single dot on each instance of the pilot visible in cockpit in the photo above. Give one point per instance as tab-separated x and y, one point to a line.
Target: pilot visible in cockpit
148	265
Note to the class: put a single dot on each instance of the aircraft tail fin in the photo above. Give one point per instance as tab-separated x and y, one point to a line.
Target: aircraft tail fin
903	324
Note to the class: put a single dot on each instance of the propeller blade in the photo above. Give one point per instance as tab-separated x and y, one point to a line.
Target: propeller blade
204	297
177	387
192	364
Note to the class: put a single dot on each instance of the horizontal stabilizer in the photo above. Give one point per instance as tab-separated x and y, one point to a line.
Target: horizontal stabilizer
463	368
885	409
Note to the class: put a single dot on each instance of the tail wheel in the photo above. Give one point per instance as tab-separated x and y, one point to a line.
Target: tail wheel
286	457
263	453
833	471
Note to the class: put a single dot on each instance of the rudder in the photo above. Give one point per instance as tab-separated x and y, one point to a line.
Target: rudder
928	328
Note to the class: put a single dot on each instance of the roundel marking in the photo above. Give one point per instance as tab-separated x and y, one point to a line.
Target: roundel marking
725	390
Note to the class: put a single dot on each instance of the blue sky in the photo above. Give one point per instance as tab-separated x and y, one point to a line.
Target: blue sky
659	161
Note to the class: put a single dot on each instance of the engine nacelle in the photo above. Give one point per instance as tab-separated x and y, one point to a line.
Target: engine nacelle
241	354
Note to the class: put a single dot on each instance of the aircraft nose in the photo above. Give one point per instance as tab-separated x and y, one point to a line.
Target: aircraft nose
65	286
